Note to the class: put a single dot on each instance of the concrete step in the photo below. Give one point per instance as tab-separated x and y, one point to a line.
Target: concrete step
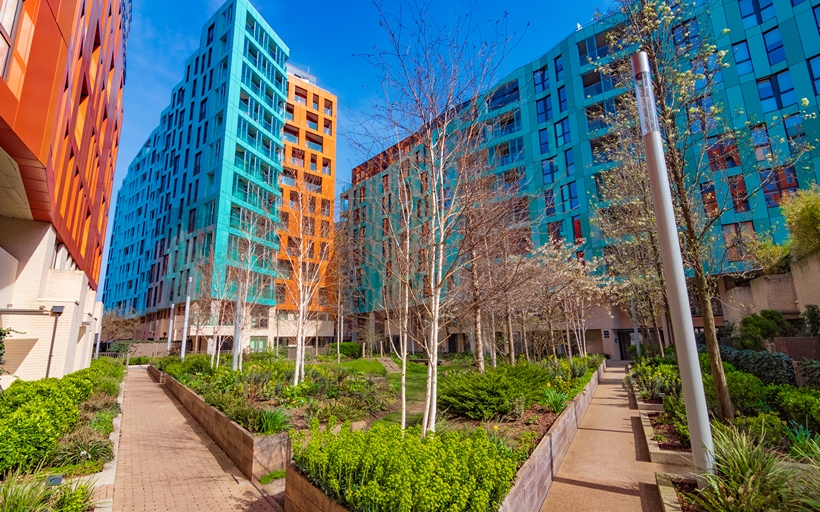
389	365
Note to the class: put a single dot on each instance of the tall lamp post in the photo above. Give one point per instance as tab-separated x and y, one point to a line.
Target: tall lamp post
170	330
185	319
693	395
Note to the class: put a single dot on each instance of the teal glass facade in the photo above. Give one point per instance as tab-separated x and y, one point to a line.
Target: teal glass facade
774	72
216	153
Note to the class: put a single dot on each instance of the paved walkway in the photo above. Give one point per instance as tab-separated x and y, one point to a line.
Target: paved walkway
607	468
167	463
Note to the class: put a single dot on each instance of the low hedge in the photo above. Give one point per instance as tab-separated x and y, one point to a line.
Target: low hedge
810	370
347	348
35	414
386	470
770	367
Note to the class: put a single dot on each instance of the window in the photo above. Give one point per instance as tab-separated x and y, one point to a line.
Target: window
594	47
569	196
740	198
556	231
722	153
577	233
503	96
197	163
707	192
506	152
540	79
569	162
562	132
549	170
544	140
686	36
777	183
735	236
743	60
595	83
559	68
210	34
755	12
701	115
544	109
549	202
203	109
777	91
761	142
774	46
817	16
562	99
814	71
507	123
795	132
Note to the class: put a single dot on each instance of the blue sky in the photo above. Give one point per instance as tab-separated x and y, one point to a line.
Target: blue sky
325	37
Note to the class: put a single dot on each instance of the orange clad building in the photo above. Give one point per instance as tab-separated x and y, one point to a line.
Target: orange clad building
62	70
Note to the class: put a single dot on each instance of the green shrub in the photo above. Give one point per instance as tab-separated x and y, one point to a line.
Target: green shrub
770	367
811	318
108	385
757	330
653	377
273	421
84	444
73	497
270	477
810	370
556	401
799	405
103	422
746	391
139	360
383	469
765	428
675	411
347	349
747	476
21	494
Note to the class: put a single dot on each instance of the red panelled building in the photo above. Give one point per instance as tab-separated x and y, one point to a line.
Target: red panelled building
62	70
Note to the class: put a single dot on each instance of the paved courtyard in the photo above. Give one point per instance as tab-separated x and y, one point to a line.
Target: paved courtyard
167	463
605	468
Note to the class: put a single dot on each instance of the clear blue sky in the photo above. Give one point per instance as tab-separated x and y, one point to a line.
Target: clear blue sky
323	37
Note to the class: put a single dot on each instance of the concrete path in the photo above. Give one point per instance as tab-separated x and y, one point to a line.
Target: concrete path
607	466
389	364
167	463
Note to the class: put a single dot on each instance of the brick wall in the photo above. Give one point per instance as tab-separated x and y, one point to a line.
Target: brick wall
806	274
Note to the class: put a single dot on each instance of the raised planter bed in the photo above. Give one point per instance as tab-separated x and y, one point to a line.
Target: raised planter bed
254	455
656	454
532	481
640	404
666	491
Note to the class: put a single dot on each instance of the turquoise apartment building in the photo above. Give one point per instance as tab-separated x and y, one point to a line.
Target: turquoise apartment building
548	137
214	158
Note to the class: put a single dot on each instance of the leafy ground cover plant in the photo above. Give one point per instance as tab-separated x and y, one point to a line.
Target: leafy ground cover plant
25	493
383	469
35	415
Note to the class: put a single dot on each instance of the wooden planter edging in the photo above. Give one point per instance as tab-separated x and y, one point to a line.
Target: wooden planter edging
532	481
663	456
254	455
303	496
157	375
666	492
534	477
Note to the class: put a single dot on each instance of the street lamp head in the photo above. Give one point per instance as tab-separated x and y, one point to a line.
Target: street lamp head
643	91
57	310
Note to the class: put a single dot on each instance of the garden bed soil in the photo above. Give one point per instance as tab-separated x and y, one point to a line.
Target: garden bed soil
673	442
683	485
538	419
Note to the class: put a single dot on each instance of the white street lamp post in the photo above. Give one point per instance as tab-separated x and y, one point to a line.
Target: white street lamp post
170	331
693	395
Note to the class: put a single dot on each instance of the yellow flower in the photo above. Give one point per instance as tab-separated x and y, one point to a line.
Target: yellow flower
495	428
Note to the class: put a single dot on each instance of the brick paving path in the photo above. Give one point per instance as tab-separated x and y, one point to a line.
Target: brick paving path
607	466
167	463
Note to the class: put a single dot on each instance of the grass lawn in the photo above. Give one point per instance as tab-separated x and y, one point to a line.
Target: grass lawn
416	388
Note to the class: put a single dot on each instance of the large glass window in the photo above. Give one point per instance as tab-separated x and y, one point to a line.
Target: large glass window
743	60
760	141
569	196
814	71
777	183
549	202
686	36
504	95
540	79
544	141
562	132
544	109
577	232
795	132
755	12
569	162
8	15
559	68
740	198
774	46
777	91
735	236
710	204
549	171
562	99
596	83
556	231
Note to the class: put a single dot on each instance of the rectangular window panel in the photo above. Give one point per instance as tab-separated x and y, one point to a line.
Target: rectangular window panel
544	141
559	68
774	46
814	71
743	60
543	108
740	198
562	99
549	170
549	202
777	183
540	79
569	162
707	192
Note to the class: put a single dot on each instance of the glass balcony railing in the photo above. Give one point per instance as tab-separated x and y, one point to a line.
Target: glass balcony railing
313	166
312	187
313	125
289	137
326	170
287	180
328	131
289	115
300	162
314	146
300	100
328	111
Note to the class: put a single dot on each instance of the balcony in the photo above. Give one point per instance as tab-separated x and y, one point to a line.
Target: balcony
300	100
328	111
326	170
312	187
328	131
299	162
289	115
289	137
313	166
287	180
313	125
314	146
